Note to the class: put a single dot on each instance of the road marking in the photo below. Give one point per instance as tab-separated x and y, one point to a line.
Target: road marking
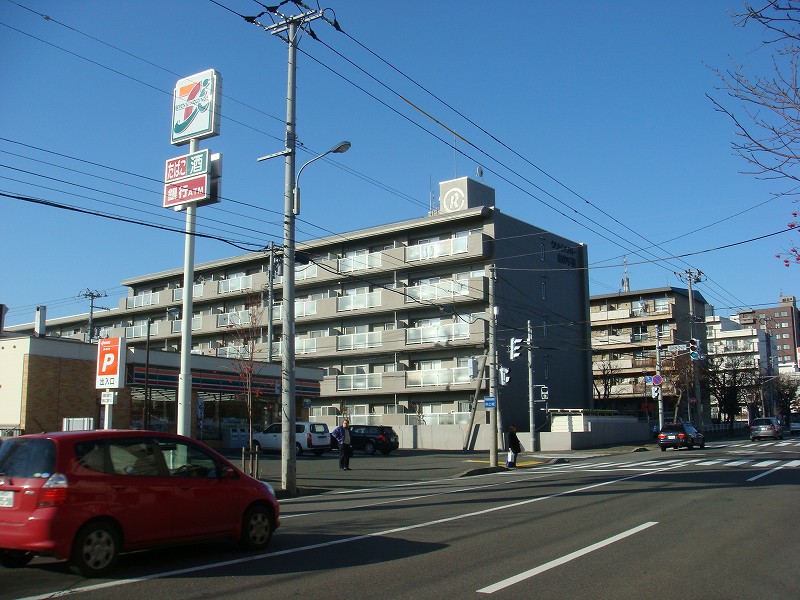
793	463
737	463
765	463
709	462
765	473
563	560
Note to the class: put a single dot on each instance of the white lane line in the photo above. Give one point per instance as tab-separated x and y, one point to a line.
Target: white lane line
738	463
765	463
709	462
793	463
765	473
246	559
563	560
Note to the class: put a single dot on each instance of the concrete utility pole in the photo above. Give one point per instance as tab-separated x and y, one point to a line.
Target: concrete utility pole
493	387
694	276
531	388
91	294
290	25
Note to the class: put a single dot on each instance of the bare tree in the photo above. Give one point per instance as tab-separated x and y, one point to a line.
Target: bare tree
678	381
785	388
246	333
766	111
730	379
606	376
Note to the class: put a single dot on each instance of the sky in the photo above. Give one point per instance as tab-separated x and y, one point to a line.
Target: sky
589	119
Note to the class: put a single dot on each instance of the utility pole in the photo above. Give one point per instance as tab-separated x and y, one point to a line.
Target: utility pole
660	388
291	26
493	387
694	276
531	388
91	294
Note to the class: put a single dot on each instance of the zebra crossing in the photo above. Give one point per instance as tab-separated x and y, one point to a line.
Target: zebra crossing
656	464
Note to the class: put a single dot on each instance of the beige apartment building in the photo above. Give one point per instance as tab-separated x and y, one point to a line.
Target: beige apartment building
396	315
626	328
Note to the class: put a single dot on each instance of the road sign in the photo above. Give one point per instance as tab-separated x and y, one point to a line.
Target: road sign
658	380
489	402
108	398
654	392
677	347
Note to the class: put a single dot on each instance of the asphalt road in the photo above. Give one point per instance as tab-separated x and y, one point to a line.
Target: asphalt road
714	523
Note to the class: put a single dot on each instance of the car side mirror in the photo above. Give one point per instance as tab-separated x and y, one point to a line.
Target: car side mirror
227	473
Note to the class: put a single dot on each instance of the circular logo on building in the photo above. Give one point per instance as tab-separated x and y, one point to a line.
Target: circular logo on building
453	200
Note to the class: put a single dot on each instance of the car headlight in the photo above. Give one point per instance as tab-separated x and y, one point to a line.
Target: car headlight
269	488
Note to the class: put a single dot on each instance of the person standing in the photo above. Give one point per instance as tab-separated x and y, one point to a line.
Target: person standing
342	436
514	447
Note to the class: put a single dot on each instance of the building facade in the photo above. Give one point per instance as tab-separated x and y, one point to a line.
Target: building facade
397	315
782	322
631	331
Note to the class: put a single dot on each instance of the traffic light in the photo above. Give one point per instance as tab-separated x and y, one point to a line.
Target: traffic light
515	348
694	348
545	393
504	376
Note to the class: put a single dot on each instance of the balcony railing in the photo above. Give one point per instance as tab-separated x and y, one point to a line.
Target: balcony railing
197	323
141	300
139	331
235	284
437	249
355	341
433	291
304	308
358	301
239	318
437	333
361	381
197	292
361	262
302	272
437	377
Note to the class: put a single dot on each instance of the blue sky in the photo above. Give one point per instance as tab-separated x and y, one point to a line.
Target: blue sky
590	119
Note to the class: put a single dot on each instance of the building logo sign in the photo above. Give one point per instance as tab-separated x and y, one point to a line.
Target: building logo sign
196	107
454	200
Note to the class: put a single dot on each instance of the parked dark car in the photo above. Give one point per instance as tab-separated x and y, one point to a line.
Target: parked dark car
86	496
372	438
680	435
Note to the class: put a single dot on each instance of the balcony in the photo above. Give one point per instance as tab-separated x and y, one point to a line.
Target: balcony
623	338
356	341
437	249
360	381
445	289
437	333
358	301
197	323
239	318
197	292
437	377
142	300
362	262
235	284
610	315
140	331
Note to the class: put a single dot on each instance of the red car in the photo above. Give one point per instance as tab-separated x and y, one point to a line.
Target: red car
86	496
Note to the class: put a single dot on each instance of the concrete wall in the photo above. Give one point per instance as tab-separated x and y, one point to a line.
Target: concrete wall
577	430
442	437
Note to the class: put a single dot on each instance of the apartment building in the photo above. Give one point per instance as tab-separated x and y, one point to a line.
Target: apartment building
782	322
626	328
396	315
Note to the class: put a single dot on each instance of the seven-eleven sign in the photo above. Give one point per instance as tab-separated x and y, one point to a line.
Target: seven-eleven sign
111	363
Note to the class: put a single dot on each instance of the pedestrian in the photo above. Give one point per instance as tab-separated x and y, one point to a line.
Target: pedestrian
514	447
342	436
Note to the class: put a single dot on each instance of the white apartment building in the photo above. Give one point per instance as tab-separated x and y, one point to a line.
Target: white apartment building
396	315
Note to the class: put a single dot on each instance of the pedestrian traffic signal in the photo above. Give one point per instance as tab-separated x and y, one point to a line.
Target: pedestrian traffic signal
545	393
515	348
504	376
694	348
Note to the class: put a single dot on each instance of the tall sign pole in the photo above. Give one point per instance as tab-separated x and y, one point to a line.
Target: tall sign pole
196	106
493	387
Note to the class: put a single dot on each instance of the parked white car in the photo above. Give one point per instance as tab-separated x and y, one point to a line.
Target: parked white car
313	437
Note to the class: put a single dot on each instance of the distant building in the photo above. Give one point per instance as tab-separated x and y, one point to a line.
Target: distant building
397	315
625	329
782	322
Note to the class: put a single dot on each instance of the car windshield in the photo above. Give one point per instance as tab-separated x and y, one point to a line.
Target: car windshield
762	422
23	457
673	427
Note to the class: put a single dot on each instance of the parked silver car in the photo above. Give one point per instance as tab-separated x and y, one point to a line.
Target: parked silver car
766	427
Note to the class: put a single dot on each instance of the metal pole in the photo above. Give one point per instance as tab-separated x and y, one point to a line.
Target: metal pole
660	387
184	410
146	405
492	370
474	406
270	299
531	388
288	455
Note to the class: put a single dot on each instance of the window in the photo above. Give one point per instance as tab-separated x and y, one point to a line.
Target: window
187	460
661	305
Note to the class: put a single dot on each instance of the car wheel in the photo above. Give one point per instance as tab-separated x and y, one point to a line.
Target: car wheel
752	439
703	444
369	448
257	527
299	449
14	559
663	448
95	549
690	446
318	452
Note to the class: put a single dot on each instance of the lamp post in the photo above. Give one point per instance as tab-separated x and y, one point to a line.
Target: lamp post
288	409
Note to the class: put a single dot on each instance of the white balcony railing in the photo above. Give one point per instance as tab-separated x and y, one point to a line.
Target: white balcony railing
437	377
361	381
140	331
197	292
355	341
358	301
437	249
437	333
141	300
235	284
302	272
239	318
446	288
361	262
197	323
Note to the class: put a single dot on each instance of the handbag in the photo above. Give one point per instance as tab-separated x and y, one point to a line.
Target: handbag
511	459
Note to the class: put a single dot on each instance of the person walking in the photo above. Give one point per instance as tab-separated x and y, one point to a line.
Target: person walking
342	436
514	447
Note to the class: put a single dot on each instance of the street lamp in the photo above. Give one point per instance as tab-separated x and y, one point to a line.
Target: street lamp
288	409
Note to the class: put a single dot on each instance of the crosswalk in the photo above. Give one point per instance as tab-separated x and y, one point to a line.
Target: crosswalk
649	465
